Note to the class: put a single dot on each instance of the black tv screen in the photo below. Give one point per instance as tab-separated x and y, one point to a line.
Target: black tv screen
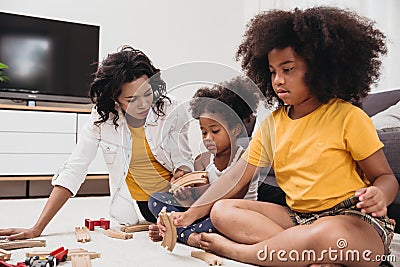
48	60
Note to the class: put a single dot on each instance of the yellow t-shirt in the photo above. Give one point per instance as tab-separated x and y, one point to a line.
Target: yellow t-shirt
146	175
314	158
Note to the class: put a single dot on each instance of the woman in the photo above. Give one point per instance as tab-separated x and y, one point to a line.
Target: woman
131	113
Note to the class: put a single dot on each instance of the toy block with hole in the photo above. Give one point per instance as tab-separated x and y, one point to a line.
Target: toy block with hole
103	223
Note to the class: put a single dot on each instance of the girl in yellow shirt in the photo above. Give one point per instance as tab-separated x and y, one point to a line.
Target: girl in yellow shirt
313	64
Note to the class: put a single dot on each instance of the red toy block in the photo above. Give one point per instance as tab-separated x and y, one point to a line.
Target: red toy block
103	223
60	254
5	264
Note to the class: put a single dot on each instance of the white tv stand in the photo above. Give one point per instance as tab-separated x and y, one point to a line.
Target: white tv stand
35	141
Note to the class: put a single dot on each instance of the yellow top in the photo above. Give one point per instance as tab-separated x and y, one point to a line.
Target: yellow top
314	158
146	175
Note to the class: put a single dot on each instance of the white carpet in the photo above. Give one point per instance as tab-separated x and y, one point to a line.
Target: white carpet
395	247
139	251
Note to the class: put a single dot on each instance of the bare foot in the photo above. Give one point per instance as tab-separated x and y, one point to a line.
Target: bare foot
154	233
194	240
218	244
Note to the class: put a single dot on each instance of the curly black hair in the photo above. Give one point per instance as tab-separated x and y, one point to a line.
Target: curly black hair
124	66
235	100
340	48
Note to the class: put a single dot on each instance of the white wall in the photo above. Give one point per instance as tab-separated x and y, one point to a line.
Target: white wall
170	32
383	12
173	32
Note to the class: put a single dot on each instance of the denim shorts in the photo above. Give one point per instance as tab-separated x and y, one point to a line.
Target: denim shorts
382	225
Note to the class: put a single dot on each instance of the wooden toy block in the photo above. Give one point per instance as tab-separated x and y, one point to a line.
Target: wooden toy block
81	261
135	228
28	243
192	178
5	264
210	258
103	223
76	251
60	254
169	240
115	234
82	234
92	255
4	254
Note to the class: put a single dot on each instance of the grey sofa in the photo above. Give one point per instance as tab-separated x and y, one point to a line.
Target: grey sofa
372	105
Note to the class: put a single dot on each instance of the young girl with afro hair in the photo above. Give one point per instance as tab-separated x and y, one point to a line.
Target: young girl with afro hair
315	65
221	111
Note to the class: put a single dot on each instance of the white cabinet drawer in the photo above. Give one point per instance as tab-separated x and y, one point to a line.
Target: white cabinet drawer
36	143
37	121
82	119
31	164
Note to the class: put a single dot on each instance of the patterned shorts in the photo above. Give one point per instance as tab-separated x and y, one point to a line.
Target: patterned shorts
382	225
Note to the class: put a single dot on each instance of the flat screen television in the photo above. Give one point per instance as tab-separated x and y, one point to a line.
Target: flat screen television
48	60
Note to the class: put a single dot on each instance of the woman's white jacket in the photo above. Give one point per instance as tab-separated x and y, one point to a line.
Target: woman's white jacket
168	140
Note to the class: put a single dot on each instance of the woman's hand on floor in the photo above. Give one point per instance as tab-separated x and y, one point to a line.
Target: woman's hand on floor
19	233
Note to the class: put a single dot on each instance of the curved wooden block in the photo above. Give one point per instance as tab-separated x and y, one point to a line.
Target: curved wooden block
210	258
169	240
115	234
192	178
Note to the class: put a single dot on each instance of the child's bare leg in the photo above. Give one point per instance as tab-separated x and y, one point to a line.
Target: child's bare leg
249	221
154	233
330	240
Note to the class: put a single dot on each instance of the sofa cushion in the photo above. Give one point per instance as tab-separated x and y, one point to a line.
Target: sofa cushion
391	139
389	118
377	102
